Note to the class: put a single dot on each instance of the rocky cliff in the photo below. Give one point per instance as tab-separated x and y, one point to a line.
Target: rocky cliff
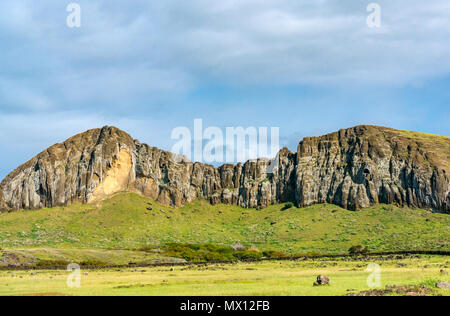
353	168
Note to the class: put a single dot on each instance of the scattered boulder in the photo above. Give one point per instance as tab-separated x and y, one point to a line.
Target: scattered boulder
443	285
322	280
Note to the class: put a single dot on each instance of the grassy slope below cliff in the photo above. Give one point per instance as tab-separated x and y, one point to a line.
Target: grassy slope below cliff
123	222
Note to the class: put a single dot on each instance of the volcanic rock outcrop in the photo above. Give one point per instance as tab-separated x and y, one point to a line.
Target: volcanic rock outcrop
353	168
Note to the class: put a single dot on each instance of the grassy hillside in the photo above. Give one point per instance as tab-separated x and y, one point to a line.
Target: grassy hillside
124	222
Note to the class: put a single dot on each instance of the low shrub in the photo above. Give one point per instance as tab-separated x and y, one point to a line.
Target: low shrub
313	254
200	253
52	263
146	249
93	263
210	253
248	255
359	249
288	206
275	254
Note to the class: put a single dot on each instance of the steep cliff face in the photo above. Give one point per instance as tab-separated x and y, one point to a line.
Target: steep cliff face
366	165
353	168
66	172
160	177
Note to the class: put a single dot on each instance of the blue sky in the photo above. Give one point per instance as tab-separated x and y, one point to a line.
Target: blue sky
151	66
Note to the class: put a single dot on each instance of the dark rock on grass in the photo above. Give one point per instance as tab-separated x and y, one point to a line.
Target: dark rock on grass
322	280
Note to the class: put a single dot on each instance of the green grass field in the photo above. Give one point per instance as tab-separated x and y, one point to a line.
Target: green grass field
247	279
123	222
128	228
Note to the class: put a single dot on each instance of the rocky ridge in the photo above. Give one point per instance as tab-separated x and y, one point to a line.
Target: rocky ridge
353	168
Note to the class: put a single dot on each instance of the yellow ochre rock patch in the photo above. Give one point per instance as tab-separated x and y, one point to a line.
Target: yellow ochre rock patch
117	178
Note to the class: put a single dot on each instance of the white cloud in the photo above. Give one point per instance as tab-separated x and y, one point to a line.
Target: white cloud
326	43
132	64
246	41
14	94
34	132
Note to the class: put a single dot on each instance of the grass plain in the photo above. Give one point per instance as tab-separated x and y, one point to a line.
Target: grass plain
289	278
115	232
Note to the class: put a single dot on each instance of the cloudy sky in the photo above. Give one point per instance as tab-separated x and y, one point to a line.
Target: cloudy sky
150	66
